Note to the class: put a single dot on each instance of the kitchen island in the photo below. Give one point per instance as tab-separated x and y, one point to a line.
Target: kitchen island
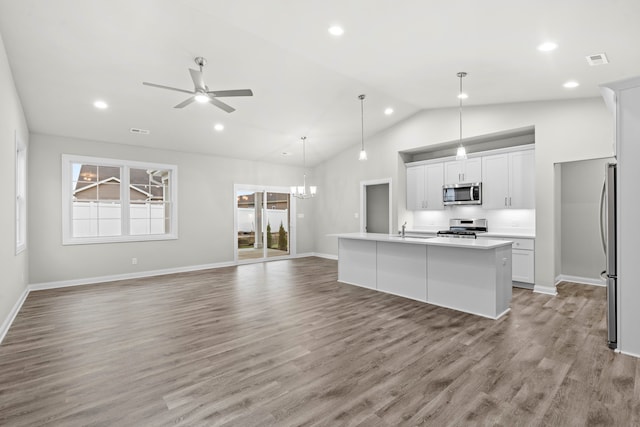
469	275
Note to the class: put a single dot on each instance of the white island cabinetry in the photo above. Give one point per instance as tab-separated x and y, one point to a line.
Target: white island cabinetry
473	276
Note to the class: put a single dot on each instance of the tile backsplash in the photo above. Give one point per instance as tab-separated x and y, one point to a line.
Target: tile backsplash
499	220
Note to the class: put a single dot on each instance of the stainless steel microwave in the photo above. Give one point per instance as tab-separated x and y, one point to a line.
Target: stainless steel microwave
462	194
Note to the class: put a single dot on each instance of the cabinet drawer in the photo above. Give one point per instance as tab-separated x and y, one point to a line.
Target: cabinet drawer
525	244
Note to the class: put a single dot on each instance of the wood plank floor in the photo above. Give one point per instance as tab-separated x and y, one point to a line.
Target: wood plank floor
282	343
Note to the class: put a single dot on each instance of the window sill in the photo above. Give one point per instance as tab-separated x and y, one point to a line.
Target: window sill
117	239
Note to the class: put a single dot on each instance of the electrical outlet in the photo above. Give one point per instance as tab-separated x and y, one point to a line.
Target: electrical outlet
134	261
356	215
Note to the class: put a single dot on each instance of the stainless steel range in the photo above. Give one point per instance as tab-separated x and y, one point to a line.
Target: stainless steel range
464	228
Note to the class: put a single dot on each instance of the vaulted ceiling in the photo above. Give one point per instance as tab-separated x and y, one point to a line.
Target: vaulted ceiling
65	54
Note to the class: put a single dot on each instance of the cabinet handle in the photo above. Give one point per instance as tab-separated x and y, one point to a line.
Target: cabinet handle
509	200
462	177
505	201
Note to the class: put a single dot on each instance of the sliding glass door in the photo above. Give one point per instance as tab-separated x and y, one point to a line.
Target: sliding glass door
263	223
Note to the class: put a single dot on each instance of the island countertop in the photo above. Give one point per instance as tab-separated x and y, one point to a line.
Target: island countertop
429	241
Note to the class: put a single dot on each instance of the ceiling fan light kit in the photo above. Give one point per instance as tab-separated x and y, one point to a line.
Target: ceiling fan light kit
201	92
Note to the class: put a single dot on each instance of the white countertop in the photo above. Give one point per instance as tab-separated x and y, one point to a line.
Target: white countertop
433	241
516	234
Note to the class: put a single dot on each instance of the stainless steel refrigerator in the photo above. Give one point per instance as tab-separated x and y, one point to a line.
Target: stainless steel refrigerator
609	240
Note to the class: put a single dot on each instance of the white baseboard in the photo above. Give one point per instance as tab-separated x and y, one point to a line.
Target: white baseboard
581	280
326	256
12	314
548	290
125	276
629	354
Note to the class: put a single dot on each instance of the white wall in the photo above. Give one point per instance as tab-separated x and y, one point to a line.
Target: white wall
14	267
206	202
564	130
582	253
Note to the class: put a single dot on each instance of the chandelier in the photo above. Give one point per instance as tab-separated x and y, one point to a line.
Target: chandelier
304	192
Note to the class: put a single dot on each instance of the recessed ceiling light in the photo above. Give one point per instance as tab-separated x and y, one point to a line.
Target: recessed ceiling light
463	96
388	111
547	46
286	153
571	84
336	30
100	104
219	127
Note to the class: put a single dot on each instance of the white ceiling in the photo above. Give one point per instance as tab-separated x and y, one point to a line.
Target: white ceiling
65	54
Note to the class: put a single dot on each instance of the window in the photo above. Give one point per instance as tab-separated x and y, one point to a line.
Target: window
107	200
21	196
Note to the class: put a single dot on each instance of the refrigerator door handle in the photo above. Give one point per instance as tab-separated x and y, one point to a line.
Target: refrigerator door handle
602	237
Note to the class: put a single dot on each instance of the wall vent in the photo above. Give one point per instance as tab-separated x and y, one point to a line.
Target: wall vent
139	131
597	59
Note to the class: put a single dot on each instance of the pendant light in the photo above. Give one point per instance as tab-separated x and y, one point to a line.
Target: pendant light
363	154
461	153
302	192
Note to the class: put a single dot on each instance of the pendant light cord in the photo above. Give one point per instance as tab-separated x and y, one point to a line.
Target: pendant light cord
461	75
362	120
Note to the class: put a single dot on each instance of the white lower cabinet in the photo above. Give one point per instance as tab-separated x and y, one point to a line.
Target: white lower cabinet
522	256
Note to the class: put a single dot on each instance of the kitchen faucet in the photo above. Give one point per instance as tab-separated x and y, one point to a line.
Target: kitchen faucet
403	228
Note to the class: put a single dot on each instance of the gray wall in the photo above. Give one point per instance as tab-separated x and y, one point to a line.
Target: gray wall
582	253
205	212
13	267
564	130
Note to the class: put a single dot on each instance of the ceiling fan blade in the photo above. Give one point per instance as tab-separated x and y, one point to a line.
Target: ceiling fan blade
186	102
222	105
237	92
167	87
198	81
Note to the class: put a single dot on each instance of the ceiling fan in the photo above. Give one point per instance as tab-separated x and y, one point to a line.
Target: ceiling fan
201	92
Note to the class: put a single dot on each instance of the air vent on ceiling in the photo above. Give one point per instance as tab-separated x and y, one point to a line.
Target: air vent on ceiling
139	131
597	59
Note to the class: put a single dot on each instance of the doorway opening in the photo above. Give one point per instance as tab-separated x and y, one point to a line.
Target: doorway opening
263	223
375	206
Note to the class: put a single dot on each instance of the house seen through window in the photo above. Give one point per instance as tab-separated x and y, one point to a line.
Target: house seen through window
109	200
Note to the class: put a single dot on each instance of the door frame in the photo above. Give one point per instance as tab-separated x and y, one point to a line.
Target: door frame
363	201
292	222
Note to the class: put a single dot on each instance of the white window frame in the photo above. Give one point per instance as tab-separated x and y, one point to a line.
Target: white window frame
21	195
125	165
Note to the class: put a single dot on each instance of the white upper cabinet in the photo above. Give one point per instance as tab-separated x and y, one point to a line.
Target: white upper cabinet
459	171
508	180
424	187
495	181
415	188
434	175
